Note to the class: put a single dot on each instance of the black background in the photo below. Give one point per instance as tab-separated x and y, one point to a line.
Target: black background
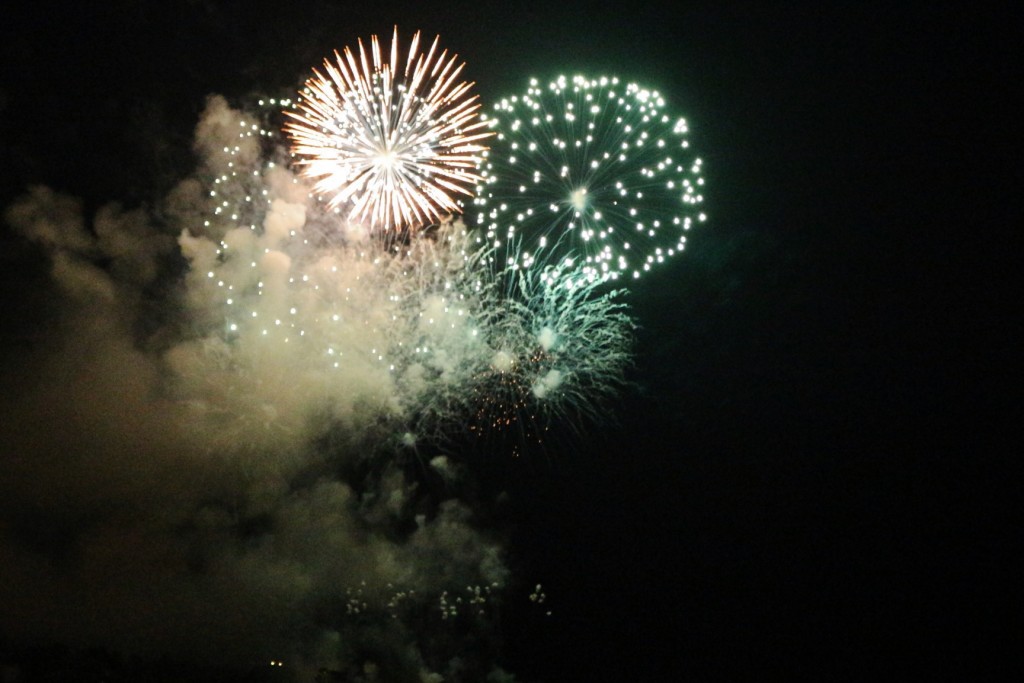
814	474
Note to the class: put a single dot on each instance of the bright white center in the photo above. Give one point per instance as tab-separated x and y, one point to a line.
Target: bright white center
386	159
578	198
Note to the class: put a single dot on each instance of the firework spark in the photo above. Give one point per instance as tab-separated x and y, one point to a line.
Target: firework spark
396	141
590	168
427	336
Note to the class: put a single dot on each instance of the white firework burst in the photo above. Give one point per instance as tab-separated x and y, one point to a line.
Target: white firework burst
395	141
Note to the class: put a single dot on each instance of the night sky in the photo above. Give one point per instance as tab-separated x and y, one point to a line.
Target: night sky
809	475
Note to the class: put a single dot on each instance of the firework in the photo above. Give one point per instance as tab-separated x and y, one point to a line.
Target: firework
590	169
421	337
396	141
562	348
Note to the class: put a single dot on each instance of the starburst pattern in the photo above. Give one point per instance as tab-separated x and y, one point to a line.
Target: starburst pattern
591	169
395	143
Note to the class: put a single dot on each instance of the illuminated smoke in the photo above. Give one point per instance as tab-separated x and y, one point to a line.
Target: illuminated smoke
225	447
420	336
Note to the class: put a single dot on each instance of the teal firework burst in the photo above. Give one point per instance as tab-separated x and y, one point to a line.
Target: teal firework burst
588	172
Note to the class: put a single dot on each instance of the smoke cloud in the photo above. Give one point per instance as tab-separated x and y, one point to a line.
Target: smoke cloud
174	487
201	449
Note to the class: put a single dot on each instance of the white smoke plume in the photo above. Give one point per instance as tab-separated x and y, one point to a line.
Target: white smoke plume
201	451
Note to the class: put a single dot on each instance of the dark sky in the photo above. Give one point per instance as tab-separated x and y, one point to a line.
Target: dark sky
811	477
